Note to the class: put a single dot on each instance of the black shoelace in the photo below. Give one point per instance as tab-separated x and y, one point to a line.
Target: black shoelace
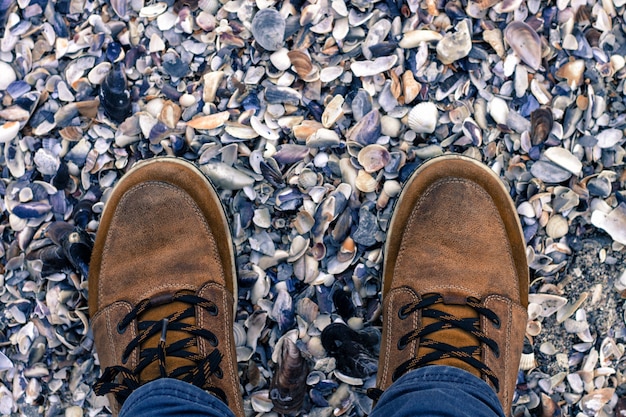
442	350
121	381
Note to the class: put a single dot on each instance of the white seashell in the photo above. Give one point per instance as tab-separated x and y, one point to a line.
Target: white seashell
365	182
527	361
557	226
8	131
153	10
97	75
328	74
262	129
226	176
156	43
280	59
614	223
564	158
413	38
549	302
240	131
533	328
423	118
8	74
350	380
373	67
498	109
455	45
609	138
333	111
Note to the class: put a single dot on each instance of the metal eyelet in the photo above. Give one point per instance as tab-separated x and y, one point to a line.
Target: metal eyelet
401	314
213	310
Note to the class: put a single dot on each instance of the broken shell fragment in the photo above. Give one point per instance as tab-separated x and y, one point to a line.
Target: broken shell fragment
268	29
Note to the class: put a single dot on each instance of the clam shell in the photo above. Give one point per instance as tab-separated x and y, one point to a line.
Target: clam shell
212	121
373	157
525	42
365	182
288	386
423	117
268	29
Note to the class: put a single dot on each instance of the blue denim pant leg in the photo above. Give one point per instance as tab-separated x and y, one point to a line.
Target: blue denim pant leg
171	397
439	391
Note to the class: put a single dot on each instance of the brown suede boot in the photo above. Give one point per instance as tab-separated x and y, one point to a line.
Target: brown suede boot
455	277
162	285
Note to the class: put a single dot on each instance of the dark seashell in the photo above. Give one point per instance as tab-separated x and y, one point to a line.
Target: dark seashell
251	101
173	65
367	130
324	300
355	352
342	227
52	258
246	278
361	104
315	109
367	231
114	95
593	37
525	42
18	88
59	204
57	21
31	209
584	49
288	386
283	311
114	51
343	303
6	6
271	172
75	243
290	153
599	186
383	49
318	398
82	213
282	95
180	4
541	125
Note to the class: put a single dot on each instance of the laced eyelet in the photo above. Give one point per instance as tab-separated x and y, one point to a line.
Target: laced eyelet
120	329
219	373
496	352
212	341
401	343
213	310
496	322
401	314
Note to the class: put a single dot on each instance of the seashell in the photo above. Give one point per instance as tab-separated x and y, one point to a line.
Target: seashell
331	73
114	95
614	222
153	10
549	172
282	95
333	111
212	121
288	387
592	403
423	117
301	63
609	138
260	400
343	259
323	138
573	72
8	75
353	350
367	130
365	182
240	131
268	29
527	361
455	45
262	129
525	42
225	176
541	124
373	158
8	131
472	131
240	334
282	310
533	328
373	67
564	159
413	38
410	87
557	227
550	303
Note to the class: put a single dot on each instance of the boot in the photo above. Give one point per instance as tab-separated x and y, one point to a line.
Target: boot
455	277
162	285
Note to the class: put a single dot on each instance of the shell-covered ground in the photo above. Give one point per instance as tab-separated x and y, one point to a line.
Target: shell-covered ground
308	116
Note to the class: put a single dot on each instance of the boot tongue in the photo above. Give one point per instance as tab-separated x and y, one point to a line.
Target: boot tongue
157	314
453	306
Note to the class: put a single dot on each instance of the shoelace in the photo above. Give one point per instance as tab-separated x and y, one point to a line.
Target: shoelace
197	374
442	350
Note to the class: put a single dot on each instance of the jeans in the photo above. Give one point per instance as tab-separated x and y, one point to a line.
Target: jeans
430	391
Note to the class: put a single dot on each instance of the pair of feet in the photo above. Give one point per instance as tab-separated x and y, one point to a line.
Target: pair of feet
163	287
